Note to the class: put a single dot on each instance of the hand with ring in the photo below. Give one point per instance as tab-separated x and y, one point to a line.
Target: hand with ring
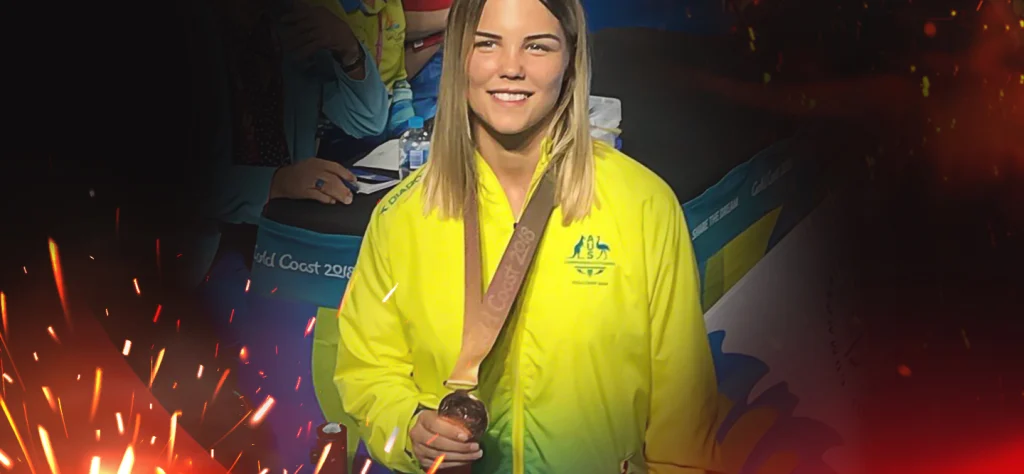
313	178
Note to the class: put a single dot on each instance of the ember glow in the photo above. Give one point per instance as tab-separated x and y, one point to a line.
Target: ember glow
5	460
127	462
58	276
51	460
3	311
323	458
262	411
96	394
309	326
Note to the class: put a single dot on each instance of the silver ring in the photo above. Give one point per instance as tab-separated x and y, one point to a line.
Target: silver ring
319	184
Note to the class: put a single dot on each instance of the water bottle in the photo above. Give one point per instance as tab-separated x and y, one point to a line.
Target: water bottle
413	148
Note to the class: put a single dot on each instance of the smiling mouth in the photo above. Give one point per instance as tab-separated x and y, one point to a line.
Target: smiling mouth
510	96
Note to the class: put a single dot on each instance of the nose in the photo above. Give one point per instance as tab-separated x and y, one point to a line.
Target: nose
512	65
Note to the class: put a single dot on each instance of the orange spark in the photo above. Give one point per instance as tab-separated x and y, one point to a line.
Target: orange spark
58	276
35	356
3	310
903	370
152	441
202	415
127	462
200	374
244	355
220	383
297	383
323	458
5	460
157	255
156	316
236	461
156	367
120	423
8	378
94	466
53	335
44	439
96	394
247	282
170	443
135	281
231	430
49	398
158	470
135	433
366	467
309	326
437	464
3	343
127	347
262	411
60	408
97	435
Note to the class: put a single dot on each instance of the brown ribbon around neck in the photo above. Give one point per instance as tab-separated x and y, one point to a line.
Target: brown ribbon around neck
484	318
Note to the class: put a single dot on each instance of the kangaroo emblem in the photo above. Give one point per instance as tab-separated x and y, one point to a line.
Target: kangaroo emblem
578	248
603	247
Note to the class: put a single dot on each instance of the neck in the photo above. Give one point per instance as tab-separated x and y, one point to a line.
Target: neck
513	158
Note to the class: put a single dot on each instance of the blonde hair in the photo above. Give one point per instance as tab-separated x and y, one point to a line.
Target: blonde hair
451	175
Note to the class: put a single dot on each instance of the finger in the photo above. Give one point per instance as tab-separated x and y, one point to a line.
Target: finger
334	188
447	429
337	170
445	464
447	445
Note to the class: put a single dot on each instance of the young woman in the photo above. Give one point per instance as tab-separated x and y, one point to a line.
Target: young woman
603	363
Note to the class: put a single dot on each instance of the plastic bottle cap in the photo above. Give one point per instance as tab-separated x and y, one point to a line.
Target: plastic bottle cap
416	122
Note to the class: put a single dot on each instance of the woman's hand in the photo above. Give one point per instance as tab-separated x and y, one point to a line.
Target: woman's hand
433	436
307	29
313	178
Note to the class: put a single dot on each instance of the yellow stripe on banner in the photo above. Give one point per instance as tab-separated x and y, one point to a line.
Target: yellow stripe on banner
726	267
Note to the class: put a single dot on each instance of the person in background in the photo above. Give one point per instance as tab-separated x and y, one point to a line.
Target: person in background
380	25
603	365
424	44
278	71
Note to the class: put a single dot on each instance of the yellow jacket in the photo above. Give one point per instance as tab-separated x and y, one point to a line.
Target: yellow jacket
604	360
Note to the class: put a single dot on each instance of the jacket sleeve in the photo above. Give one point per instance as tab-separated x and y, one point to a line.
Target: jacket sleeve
374	370
683	405
359	107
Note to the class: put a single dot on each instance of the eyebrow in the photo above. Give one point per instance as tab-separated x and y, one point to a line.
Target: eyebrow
528	38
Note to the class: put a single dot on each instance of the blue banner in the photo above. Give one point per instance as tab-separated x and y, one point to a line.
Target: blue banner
736	221
302	265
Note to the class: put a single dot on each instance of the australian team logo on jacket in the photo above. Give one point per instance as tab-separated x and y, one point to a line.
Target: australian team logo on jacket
590	258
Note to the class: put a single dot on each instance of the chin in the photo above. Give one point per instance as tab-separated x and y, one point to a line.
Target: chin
509	126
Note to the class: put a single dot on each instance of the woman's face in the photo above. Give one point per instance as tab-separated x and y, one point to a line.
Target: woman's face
516	65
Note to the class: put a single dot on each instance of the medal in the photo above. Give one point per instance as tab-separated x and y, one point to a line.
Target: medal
464	409
485	317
